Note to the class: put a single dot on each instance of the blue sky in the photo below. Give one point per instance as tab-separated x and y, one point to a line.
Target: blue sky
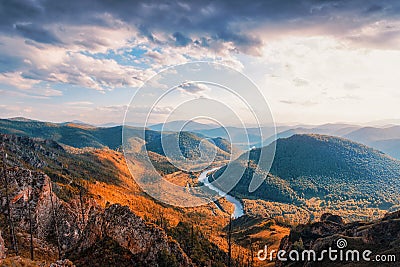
314	61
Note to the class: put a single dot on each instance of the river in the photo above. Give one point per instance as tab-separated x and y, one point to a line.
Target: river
238	212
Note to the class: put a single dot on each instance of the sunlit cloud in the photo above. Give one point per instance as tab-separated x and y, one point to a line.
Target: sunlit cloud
308	57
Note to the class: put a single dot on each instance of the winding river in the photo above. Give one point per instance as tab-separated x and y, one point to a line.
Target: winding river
238	212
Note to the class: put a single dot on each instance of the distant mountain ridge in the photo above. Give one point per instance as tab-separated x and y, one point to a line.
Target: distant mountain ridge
177	126
82	135
386	139
69	134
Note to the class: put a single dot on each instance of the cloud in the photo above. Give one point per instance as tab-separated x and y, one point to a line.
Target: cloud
200	21
17	80
142	110
195	22
94	43
193	87
298	82
48	92
58	65
36	33
181	40
163	110
93	73
79	103
307	103
113	108
19	94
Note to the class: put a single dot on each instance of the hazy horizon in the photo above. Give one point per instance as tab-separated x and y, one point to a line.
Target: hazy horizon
380	123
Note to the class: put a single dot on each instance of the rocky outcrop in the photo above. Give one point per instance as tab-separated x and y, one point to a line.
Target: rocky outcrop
53	220
121	227
2	248
65	222
60	223
382	237
62	263
29	150
329	217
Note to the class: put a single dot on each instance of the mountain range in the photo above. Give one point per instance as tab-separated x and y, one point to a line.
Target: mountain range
84	203
385	138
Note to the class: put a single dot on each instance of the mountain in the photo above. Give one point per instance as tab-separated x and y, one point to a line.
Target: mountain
370	134
20	119
243	138
389	146
136	139
78	122
324	169
189	146
386	139
177	126
334	129
86	206
71	134
80	136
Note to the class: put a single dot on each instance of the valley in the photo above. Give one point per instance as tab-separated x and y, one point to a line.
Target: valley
84	202
220	133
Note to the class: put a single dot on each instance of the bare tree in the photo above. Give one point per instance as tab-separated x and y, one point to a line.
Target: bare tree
14	241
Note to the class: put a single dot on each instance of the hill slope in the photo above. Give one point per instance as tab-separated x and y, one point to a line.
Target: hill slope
84	183
71	134
330	169
191	147
386	139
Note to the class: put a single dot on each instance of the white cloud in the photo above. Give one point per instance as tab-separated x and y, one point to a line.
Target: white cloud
193	87
15	79
79	103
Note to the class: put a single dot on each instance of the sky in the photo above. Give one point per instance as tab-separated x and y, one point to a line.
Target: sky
314	61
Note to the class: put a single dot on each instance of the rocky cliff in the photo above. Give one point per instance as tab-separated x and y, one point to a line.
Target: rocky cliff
60	224
382	237
73	226
117	225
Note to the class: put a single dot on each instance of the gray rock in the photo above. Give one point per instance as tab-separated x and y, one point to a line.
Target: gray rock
3	248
